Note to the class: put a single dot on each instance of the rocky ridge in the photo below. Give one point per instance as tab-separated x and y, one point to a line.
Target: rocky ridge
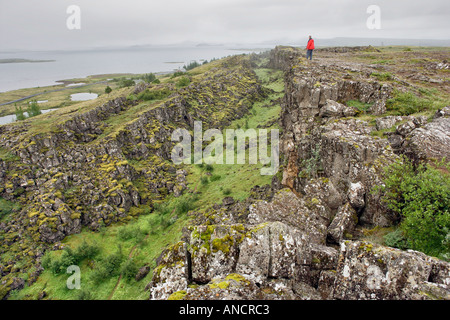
82	167
298	241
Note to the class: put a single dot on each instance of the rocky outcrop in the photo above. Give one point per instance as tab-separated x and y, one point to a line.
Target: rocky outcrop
430	141
280	252
86	168
417	138
296	244
367	271
322	140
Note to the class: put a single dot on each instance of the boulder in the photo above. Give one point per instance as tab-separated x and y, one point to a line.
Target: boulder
356	195
344	223
431	141
372	272
311	217
333	109
171	274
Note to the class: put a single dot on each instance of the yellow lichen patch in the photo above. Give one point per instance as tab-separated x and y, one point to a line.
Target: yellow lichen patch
179	295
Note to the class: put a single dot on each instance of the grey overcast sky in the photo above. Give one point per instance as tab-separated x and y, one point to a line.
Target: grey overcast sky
41	24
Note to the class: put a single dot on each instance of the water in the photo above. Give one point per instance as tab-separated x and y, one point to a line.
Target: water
80	64
83	96
11	118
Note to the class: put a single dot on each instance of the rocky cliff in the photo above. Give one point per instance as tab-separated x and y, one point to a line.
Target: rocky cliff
96	164
301	239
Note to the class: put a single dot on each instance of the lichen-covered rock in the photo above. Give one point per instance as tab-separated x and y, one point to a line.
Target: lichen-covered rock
444	112
171	275
343	223
388	122
333	109
369	271
214	251
431	141
278	259
310	217
255	255
356	195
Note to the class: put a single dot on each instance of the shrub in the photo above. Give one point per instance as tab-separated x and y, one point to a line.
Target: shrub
396	239
226	192
58	265
162	208
177	74
19	114
130	232
126	83
184	205
33	109
108	267
149	77
84	295
129	269
204	180
108	90
183	82
148	95
192	65
421	196
86	251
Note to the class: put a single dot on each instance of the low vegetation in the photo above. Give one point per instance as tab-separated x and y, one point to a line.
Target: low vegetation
421	197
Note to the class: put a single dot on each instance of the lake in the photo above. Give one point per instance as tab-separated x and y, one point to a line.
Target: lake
80	64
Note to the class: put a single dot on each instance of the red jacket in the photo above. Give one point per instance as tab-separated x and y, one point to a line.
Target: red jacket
310	45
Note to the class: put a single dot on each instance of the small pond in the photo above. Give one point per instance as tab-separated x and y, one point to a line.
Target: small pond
83	96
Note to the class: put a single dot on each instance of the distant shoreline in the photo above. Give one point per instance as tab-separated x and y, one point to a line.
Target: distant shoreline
14	60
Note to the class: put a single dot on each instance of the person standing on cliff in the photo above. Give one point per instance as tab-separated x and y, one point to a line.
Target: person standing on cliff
309	48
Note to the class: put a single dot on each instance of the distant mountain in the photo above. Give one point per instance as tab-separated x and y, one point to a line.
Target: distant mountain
341	41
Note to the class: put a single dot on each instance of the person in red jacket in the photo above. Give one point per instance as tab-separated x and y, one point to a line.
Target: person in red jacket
310	47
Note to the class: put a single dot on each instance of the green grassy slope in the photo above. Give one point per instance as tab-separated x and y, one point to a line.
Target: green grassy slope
150	232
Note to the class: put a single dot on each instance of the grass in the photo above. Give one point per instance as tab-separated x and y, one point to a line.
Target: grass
272	79
7	207
408	103
360	106
233	179
61	99
143	238
158	235
383	76
376	235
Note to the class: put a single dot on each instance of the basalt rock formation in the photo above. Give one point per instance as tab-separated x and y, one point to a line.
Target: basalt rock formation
77	167
301	240
98	163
